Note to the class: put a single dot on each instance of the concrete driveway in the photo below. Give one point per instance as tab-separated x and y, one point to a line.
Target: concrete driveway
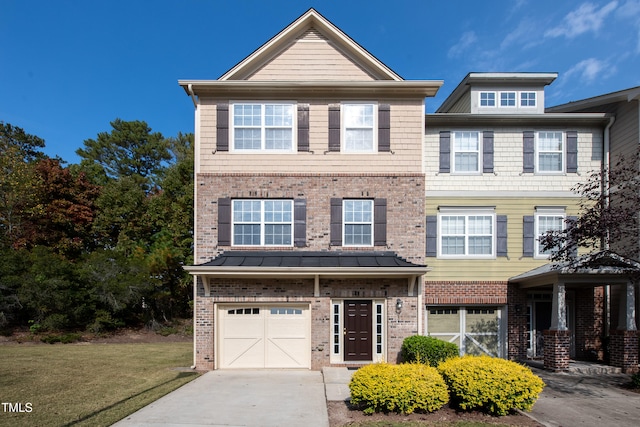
240	398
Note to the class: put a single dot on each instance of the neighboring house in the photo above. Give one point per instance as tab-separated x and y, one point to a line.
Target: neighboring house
309	228
499	173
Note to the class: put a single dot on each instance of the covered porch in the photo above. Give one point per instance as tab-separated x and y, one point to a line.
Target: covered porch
595	325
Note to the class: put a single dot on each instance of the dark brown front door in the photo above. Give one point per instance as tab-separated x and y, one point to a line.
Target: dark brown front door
357	330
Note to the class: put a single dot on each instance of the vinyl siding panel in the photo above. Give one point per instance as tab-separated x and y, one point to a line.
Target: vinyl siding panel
500	268
625	133
406	135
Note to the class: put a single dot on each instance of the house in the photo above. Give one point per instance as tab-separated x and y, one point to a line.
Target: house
310	214
499	173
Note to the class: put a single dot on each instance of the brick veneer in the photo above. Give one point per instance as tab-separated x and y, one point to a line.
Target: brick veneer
556	350
624	350
460	293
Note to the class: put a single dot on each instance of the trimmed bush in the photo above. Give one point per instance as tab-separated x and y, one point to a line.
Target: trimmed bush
497	386
404	388
428	350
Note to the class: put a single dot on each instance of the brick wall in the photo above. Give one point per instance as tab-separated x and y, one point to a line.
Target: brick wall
404	194
460	293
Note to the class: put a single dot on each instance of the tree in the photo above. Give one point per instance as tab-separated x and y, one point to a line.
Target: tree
25	144
608	214
130	149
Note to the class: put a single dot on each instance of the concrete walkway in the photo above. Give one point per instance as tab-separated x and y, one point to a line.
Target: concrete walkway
259	398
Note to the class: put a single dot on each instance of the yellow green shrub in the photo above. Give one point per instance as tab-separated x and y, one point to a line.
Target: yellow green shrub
497	386
405	388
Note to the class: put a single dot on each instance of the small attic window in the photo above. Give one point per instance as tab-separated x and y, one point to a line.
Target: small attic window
487	99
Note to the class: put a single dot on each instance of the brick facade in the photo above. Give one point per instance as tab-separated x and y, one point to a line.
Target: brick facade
556	350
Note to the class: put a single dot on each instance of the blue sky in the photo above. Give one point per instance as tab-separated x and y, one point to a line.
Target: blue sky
69	67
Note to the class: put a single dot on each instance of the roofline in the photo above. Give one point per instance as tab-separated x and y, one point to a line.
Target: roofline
475	78
218	271
285	89
469	119
625	95
311	16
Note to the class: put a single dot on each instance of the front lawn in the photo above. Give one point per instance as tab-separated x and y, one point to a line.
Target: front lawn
86	384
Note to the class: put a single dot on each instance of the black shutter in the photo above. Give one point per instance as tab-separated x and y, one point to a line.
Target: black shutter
336	222
528	236
222	125
224	222
380	222
300	223
487	151
501	241
303	127
572	151
384	128
334	128
432	235
528	151
445	151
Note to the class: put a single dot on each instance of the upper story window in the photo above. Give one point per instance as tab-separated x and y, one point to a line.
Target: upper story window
357	222
262	222
549	152
359	123
263	126
527	99
468	233
507	99
466	152
547	219
487	99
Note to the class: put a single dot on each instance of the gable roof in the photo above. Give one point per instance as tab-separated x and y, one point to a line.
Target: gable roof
626	95
311	19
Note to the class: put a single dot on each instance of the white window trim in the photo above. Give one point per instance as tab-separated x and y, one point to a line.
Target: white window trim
453	155
545	211
263	150
337	323
535	99
262	222
472	211
343	128
563	168
344	223
495	99
515	99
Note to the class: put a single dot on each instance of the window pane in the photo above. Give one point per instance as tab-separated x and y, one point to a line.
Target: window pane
247	114
358	210
480	224
246	211
487	99
278	115
528	99
466	162
358	127
277	211
480	245
278	139
246	139
246	234
550	162
453	245
452	224
358	139
277	234
357	234
358	115
508	99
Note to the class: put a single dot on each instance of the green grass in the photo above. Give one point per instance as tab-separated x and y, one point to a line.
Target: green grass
88	384
424	424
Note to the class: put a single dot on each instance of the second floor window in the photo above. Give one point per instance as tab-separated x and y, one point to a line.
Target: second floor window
359	122
549	152
487	99
467	234
527	99
547	220
263	126
507	99
466	152
262	222
358	223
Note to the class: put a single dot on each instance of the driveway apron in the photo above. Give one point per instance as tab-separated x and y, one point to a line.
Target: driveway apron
240	398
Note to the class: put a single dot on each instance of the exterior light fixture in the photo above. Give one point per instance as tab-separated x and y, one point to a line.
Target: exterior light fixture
398	305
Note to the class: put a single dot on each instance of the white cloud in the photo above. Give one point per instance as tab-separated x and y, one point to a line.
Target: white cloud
630	11
588	70
586	18
466	40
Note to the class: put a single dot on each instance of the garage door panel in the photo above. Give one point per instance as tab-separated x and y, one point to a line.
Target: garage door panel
286	353
243	353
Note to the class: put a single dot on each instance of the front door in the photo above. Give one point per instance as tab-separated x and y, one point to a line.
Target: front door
357	330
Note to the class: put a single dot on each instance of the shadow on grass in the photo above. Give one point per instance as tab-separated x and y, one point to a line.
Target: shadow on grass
180	376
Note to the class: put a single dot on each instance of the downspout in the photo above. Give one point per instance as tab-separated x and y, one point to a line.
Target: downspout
192	95
606	163
195	197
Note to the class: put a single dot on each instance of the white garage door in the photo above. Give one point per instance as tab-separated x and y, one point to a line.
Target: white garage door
264	336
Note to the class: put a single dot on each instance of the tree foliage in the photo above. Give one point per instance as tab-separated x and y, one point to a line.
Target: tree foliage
608	214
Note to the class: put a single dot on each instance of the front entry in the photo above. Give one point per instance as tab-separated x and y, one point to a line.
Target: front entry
357	330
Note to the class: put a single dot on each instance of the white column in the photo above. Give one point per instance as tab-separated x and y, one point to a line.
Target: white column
559	308
627	321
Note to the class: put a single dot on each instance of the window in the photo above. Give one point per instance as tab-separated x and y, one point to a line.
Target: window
507	99
358	223
487	99
466	152
263	127
467	233
359	124
262	222
547	219
527	99
549	152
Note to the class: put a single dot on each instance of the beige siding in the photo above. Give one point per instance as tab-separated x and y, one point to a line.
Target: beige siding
311	59
508	166
406	139
500	268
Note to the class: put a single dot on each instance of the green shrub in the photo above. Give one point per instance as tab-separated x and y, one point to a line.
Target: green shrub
104	322
64	338
635	380
381	387
497	386
55	322
429	350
